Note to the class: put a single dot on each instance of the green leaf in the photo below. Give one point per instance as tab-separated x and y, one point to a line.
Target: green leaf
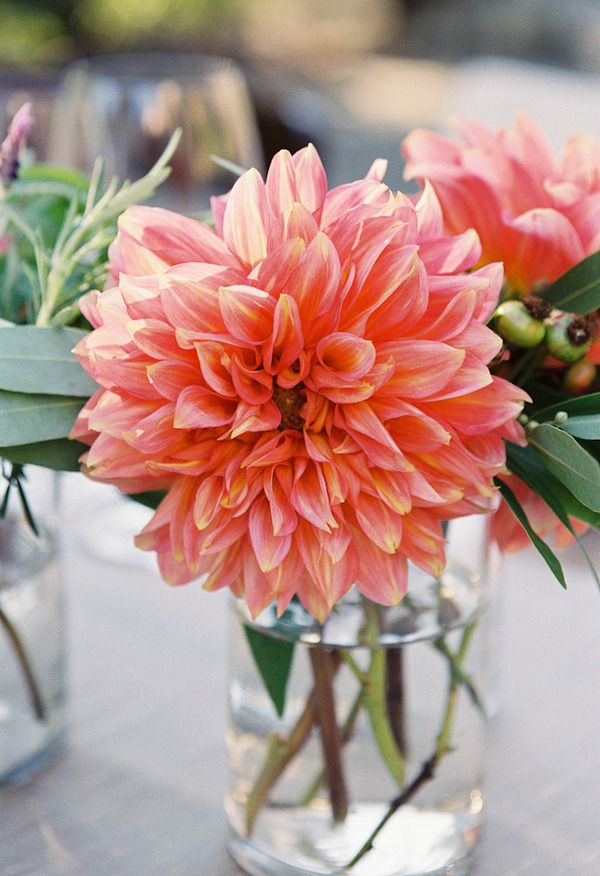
577	290
273	658
584	404
527	465
59	454
569	462
40	172
151	498
530	467
39	360
546	552
587	428
29	419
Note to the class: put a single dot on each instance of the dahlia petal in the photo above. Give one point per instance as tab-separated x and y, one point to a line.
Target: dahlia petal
346	355
273	272
278	485
198	407
423	368
381	577
169	378
256	585
207	501
286	342
449	254
255	387
311	179
190	299
541	244
377	522
170	237
247	312
154	434
254	418
280	185
484	410
245	219
269	549
314	282
309	495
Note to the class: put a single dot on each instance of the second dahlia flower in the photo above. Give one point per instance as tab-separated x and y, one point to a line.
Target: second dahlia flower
308	381
537	215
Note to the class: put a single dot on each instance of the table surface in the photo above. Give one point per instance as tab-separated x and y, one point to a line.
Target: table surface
137	789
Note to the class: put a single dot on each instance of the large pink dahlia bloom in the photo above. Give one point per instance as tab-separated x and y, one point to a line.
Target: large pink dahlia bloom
309	380
538	216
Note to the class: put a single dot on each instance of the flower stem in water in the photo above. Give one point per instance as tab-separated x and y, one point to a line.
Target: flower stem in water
442	746
37	702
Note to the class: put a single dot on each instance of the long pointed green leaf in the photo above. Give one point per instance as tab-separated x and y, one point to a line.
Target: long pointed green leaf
582	405
527	465
577	290
29	419
546	552
59	454
273	658
39	360
569	462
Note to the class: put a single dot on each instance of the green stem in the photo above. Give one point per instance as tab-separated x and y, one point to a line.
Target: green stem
37	702
375	703
442	746
280	752
375	698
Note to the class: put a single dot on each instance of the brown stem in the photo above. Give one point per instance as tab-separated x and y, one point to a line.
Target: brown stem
395	696
37	703
331	740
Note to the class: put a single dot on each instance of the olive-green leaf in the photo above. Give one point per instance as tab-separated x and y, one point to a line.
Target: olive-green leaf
546	552
29	419
587	428
582	405
150	499
59	454
577	290
40	360
273	658
569	462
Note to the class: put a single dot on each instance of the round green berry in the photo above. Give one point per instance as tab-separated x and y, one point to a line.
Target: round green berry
513	323
559	339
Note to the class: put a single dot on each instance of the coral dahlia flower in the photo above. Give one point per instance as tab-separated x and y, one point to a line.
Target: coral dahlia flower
536	215
308	380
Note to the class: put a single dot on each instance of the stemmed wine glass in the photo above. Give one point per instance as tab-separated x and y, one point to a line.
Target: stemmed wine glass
126	107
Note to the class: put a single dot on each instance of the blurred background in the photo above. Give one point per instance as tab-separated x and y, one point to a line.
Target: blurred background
350	75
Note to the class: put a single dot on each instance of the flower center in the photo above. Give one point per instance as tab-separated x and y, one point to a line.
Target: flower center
289	402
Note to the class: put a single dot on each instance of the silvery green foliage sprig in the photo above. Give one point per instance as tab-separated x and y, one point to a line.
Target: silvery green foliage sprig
55	229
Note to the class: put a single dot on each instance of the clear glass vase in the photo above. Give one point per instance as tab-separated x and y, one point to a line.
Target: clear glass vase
31	626
374	766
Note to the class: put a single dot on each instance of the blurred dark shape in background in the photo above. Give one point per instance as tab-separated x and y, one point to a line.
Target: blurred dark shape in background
38	33
299	54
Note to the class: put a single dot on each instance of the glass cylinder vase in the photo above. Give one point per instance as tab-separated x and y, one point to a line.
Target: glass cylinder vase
357	746
31	623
